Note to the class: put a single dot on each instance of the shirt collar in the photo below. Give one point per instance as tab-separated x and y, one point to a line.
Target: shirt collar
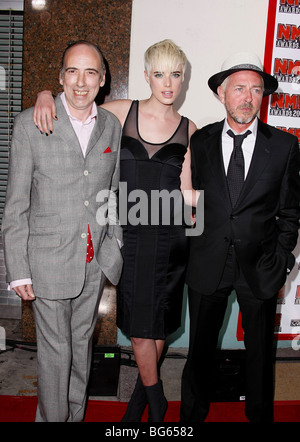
252	127
88	120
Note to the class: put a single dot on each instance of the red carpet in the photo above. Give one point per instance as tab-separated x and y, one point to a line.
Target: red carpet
22	409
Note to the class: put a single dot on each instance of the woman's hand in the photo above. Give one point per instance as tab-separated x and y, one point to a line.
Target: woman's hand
44	111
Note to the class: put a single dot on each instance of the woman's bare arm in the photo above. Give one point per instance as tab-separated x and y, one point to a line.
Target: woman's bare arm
45	111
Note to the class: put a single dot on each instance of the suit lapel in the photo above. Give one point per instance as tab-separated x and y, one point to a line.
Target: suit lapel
97	131
215	158
68	134
66	131
260	159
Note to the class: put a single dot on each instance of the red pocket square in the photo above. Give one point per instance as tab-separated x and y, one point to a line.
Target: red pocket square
107	150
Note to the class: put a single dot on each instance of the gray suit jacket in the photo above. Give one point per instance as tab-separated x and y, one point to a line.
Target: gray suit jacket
52	197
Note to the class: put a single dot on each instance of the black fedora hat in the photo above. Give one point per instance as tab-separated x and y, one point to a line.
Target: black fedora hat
243	61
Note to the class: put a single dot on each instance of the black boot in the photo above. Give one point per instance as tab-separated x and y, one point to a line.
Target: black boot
137	403
157	402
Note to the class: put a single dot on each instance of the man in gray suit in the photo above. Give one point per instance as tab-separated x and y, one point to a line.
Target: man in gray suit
50	212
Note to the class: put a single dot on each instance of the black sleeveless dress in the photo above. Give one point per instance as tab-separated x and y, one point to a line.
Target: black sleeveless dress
149	294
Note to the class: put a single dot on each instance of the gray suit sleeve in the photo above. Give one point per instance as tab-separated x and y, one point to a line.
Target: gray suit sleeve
114	228
15	225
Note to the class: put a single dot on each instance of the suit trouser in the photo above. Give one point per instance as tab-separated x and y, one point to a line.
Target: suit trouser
206	317
64	330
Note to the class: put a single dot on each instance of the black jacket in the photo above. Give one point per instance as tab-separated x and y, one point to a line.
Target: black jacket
263	226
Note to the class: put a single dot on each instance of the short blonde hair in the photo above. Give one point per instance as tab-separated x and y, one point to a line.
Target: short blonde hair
165	55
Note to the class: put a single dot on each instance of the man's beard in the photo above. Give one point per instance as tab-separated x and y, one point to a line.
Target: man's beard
240	119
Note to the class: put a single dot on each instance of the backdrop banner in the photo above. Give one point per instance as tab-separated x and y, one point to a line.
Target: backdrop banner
282	110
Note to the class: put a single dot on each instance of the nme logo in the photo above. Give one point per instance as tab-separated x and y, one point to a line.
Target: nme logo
288	36
285	105
289	6
287	70
290	2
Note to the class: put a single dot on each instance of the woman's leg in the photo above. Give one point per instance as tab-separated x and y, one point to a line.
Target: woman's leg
147	354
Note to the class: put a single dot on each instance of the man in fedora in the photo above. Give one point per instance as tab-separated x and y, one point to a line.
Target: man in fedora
249	172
